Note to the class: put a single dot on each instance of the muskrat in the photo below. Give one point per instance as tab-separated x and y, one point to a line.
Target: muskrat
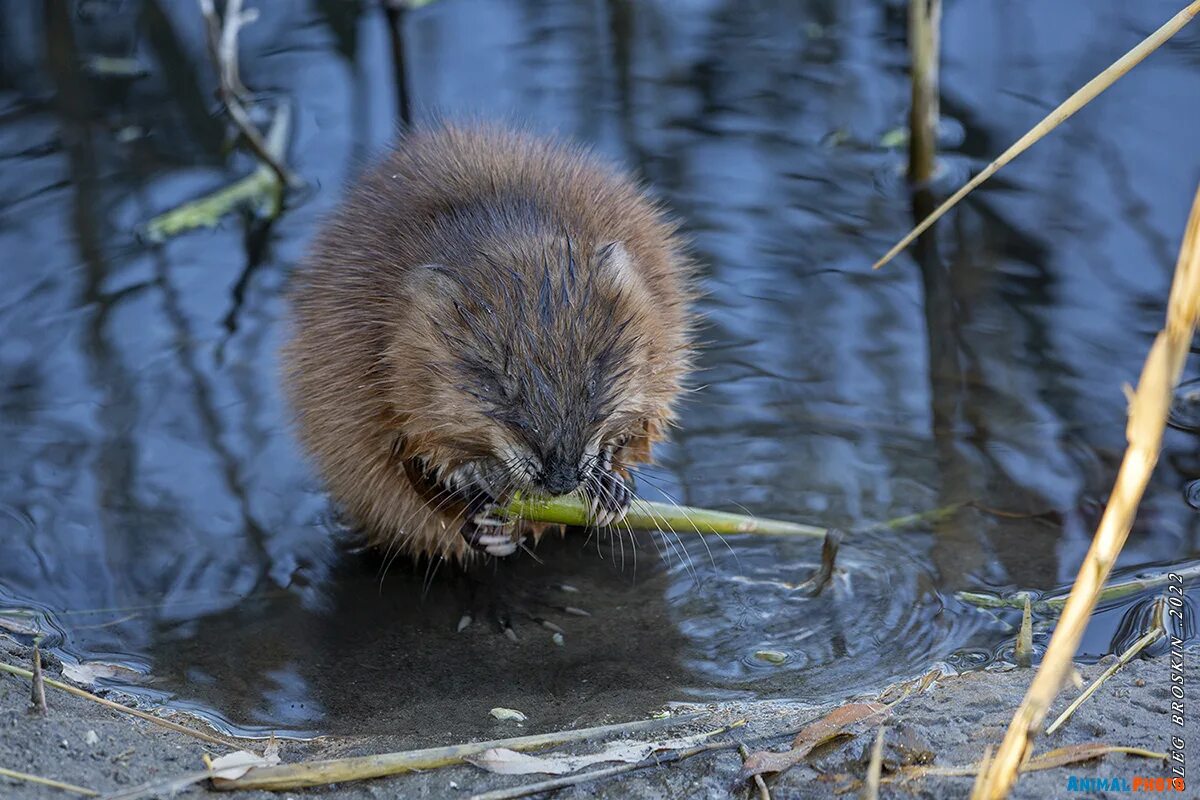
486	312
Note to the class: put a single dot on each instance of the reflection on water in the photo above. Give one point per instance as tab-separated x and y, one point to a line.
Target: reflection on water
154	509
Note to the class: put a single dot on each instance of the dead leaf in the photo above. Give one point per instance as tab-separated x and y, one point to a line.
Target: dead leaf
15	626
503	761
828	727
234	765
508	714
87	673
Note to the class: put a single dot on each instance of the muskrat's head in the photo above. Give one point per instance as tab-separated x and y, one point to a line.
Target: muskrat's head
531	367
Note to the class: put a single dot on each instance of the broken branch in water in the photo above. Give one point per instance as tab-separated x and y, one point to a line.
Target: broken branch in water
338	770
829	550
260	191
222	47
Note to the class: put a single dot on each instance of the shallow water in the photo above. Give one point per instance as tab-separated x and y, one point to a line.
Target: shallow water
156	513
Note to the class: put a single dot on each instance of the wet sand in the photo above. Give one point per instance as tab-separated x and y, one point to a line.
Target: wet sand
949	724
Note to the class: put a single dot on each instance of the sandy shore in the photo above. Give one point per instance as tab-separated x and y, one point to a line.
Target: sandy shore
948	724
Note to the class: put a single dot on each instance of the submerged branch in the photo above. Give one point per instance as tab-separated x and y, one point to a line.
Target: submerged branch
222	47
261	191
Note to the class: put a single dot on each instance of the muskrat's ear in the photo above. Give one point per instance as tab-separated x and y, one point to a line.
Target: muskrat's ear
614	260
434	281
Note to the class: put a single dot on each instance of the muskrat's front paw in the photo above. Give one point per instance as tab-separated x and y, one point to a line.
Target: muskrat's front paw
609	496
487	532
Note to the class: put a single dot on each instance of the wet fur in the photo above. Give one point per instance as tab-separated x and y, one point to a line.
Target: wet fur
480	288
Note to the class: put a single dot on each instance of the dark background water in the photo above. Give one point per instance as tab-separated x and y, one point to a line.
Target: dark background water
155	511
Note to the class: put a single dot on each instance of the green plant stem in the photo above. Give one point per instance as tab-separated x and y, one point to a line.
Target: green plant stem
646	515
1054	605
650	516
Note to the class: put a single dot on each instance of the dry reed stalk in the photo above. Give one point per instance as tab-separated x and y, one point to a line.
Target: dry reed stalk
25	777
1149	407
1052	120
283	777
870	789
924	22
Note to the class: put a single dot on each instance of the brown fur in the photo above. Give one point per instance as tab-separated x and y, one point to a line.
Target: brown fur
468	294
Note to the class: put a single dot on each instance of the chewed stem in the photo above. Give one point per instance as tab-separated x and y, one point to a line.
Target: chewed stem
647	515
650	516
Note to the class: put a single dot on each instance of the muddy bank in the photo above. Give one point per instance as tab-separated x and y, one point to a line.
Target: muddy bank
949	724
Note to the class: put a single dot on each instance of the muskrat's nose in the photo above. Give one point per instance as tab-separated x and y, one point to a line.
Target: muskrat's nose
559	478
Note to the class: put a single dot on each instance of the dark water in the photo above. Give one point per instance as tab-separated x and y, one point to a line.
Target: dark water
156	513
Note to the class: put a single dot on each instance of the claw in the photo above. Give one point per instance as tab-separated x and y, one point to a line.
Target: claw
486	532
609	498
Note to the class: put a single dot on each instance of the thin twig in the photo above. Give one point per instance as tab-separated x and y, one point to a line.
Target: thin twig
587	777
1149	407
1149	638
222	48
829	550
1052	120
66	787
164	723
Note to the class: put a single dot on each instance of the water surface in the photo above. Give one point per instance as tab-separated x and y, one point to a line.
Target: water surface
154	508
